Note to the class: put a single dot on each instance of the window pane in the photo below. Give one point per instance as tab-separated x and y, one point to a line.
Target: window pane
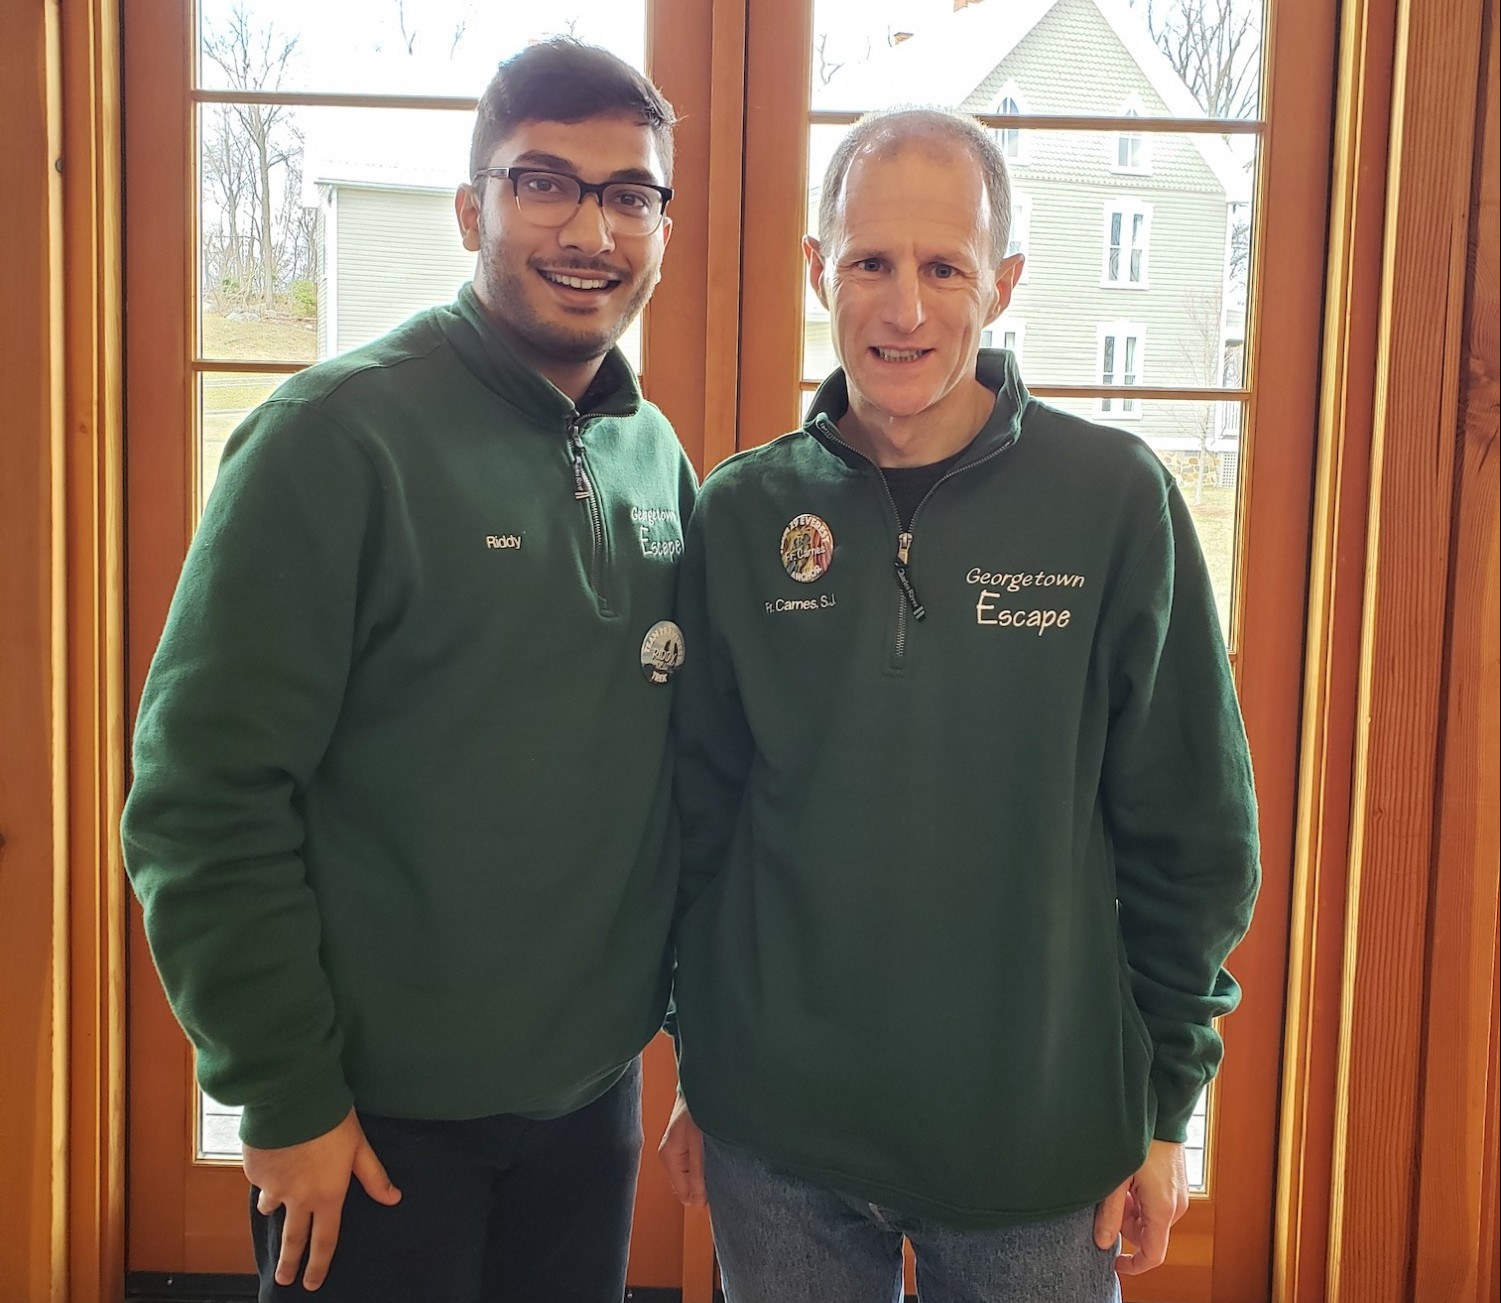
393	47
225	398
362	232
1201	444
1194	1146
867	53
218	1129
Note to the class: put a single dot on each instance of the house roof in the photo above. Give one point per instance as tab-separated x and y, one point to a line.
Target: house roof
385	149
944	61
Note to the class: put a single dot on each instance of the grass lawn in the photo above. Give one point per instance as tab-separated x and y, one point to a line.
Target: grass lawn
1214	516
272	339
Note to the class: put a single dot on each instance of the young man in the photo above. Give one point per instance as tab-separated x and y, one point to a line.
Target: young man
967	812
400	813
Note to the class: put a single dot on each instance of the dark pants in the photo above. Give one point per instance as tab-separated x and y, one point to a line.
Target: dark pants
495	1210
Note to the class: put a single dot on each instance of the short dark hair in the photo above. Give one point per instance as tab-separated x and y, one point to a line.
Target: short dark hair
563	80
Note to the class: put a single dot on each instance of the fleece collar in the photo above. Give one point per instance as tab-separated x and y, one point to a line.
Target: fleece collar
490	352
995	368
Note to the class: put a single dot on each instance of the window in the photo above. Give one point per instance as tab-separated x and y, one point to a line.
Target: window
1128	231
1132	149
1012	140
1021	229
1013	338
1120	353
1005	334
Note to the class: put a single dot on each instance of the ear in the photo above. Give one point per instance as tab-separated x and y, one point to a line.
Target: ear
1006	276
665	231
466	207
813	252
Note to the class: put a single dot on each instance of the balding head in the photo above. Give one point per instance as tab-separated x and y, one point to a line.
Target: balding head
932	130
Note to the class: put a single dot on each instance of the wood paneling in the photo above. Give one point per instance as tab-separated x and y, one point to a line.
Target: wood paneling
94	541
61	1051
1352	282
1387	1188
1377	1140
1459	1051
33	825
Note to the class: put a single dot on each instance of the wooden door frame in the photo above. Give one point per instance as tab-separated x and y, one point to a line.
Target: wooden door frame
1388	1148
61	710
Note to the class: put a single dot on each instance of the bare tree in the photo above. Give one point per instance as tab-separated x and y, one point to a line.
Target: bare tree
826	67
1211	361
1215	47
255	59
227	175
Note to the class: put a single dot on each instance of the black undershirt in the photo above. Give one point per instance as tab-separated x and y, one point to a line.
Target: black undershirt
909	485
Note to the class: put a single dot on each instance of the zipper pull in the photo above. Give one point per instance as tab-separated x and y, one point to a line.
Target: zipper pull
581	487
918	609
903	546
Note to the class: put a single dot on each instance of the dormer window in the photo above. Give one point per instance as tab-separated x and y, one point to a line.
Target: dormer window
1012	140
1132	148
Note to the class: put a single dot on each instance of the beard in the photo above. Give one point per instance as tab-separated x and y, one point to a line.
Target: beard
512	288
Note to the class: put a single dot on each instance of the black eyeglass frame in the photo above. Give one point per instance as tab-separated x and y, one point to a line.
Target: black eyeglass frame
514	174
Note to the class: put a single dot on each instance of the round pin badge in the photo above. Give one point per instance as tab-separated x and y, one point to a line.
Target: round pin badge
807	548
661	651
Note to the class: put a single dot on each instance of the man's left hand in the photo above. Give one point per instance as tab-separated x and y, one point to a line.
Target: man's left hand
1144	1209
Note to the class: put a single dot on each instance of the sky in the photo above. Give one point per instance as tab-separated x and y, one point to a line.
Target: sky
451	47
408	46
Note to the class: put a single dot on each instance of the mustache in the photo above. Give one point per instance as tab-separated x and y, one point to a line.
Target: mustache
578	267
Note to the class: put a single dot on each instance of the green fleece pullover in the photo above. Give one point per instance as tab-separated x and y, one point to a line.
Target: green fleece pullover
400	820
957	890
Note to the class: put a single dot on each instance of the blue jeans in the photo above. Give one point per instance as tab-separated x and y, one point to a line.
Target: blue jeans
502	1209
782	1239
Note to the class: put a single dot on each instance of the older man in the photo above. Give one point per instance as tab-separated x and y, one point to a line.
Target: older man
400	821
968	817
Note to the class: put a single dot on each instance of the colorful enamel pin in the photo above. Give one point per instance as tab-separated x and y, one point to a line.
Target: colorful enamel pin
807	548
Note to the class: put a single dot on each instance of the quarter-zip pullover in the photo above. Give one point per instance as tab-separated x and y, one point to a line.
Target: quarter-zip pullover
400	821
968	820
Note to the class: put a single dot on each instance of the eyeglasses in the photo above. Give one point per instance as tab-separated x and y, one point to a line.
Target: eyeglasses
550	198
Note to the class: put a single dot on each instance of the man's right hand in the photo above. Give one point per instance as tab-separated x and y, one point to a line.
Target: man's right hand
310	1180
682	1154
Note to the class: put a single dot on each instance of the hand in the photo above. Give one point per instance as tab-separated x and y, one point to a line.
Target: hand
1144	1209
311	1180
682	1154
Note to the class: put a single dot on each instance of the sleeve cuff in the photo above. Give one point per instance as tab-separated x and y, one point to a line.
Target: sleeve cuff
296	1117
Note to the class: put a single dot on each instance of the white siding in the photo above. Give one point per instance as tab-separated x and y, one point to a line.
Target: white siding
395	253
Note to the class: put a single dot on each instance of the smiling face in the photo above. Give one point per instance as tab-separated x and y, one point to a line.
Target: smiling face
910	281
567	292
